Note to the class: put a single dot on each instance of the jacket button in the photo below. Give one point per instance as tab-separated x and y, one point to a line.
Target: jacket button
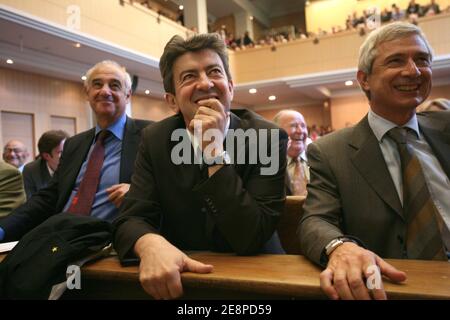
203	209
400	239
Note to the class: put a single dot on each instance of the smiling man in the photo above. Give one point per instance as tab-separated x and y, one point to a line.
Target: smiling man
380	189
96	165
219	204
297	175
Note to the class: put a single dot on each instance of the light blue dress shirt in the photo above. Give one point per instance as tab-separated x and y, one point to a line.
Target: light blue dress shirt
110	174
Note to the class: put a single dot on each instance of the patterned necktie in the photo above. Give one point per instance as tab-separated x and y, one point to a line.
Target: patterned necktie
298	179
83	200
423	237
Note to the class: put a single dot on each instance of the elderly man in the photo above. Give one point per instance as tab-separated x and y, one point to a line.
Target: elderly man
16	154
297	175
224	202
96	165
38	173
369	195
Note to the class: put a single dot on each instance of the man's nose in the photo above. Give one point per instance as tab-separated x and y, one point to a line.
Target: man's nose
411	69
204	82
105	90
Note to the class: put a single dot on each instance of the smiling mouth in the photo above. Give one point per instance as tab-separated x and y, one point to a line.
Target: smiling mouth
205	98
408	87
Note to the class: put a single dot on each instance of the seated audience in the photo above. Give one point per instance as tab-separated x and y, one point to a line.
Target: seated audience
96	165
11	189
369	194
38	173
297	175
221	202
16	154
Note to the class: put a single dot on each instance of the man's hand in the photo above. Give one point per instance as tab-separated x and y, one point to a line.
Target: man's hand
348	267
117	192
212	115
161	267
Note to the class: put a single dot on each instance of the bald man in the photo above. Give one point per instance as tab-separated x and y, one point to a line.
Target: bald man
297	176
16	154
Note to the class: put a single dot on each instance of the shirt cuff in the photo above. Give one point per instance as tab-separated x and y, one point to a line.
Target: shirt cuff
2	234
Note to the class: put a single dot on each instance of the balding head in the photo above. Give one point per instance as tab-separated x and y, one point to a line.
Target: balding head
15	153
294	124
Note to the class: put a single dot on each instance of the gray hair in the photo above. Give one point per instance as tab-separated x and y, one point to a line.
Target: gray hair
392	31
112	63
177	46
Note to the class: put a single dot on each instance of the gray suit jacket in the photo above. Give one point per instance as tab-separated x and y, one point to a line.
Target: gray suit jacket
352	193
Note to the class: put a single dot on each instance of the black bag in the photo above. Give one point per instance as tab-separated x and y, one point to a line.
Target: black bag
41	257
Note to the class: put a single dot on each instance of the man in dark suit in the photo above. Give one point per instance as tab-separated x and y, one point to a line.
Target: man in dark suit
223	203
361	193
108	89
38	173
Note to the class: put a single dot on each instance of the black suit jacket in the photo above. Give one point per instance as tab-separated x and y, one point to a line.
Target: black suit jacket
351	190
35	176
52	199
235	210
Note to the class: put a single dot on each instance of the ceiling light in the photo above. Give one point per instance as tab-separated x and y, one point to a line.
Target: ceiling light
147	91
77	45
349	83
253	91
181	7
9	61
307	3
83	78
251	17
272	98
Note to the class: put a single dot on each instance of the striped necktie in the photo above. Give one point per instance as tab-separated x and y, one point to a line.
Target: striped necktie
424	223
298	180
84	199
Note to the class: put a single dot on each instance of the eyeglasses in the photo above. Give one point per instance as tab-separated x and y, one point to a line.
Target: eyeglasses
15	150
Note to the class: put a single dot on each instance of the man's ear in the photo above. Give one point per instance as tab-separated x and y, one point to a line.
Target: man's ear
46	156
172	102
363	80
231	88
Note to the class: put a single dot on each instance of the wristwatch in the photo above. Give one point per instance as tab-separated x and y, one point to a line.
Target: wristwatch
335	243
222	158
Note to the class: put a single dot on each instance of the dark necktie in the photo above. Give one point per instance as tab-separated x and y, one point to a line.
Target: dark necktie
83	200
423	237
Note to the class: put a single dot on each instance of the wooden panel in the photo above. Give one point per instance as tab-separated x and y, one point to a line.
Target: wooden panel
150	109
68	124
19	126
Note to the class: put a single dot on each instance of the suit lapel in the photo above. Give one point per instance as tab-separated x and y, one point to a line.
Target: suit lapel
438	137
130	144
369	161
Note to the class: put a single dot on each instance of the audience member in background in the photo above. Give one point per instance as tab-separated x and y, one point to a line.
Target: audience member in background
221	204
368	197
16	154
297	175
432	8
38	173
11	188
96	165
439	104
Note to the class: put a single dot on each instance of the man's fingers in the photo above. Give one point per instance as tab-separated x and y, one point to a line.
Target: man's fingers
326	283
196	266
390	271
357	284
340	282
174	286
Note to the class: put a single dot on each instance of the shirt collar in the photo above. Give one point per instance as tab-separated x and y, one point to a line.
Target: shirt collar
117	128
50	170
302	156
380	125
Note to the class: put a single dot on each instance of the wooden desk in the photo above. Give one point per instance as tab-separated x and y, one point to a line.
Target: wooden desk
257	277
